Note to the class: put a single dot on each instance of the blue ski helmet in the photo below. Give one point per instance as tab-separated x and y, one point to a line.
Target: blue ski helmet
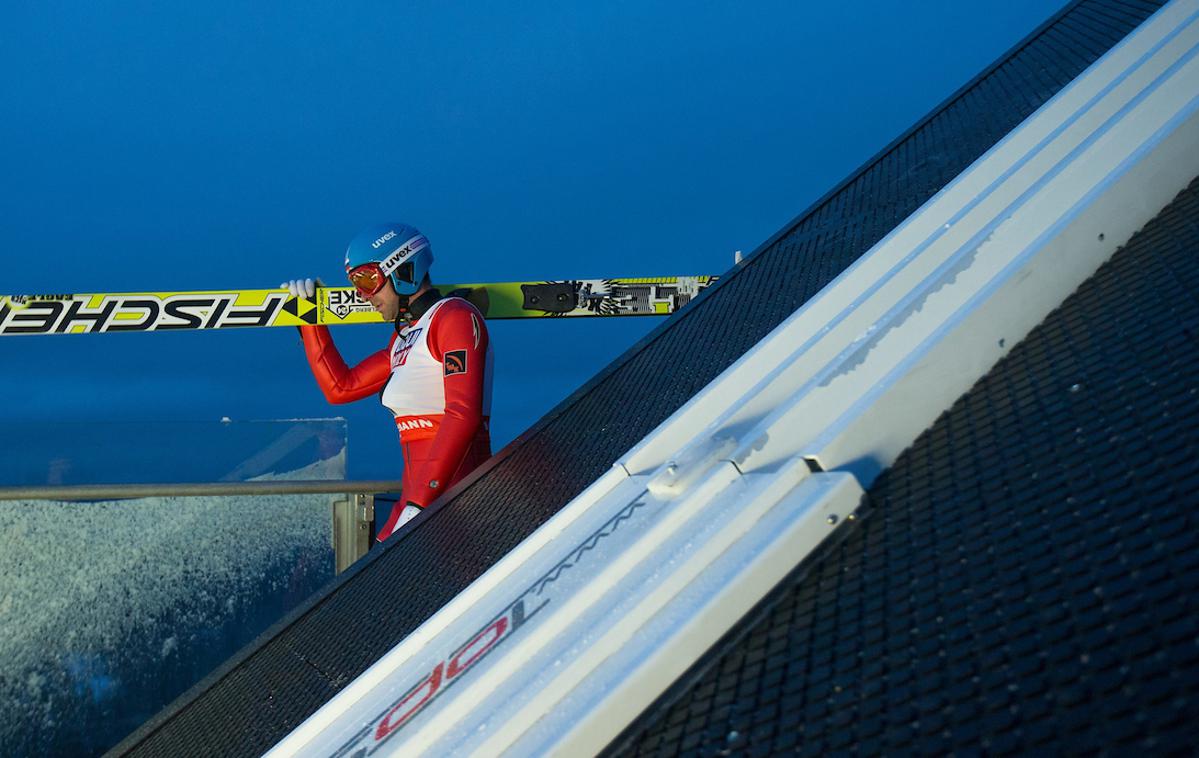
400	250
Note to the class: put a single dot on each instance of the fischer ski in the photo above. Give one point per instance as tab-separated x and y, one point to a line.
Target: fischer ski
223	309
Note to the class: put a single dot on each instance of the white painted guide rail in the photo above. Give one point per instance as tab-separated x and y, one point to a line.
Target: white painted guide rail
562	643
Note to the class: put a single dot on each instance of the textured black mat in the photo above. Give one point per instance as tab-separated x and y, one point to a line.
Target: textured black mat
247	707
1027	581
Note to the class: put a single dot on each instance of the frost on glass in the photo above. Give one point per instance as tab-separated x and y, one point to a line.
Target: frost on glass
138	452
111	609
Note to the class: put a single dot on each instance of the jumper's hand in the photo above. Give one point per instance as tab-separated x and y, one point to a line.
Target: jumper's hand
302	287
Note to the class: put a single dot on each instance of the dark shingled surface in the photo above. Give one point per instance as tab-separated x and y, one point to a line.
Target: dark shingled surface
1027	580
270	688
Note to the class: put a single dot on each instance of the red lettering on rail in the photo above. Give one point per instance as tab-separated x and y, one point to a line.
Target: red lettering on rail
403	711
496	630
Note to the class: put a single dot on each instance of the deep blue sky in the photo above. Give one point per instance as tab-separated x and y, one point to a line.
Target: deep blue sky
170	146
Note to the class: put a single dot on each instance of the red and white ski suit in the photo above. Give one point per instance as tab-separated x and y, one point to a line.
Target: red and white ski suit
435	378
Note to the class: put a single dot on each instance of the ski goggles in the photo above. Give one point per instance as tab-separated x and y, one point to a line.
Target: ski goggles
369	278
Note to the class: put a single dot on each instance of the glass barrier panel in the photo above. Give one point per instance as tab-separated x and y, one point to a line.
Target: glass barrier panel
111	609
180	452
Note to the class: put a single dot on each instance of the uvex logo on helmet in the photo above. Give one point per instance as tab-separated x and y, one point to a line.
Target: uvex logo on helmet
403	253
379	242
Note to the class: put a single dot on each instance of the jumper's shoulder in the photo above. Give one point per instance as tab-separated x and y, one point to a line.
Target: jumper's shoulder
476	296
458	308
457	323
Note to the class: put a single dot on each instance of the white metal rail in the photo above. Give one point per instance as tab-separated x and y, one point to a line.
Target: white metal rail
557	647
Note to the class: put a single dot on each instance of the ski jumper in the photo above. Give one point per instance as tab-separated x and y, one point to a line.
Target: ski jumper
435	378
